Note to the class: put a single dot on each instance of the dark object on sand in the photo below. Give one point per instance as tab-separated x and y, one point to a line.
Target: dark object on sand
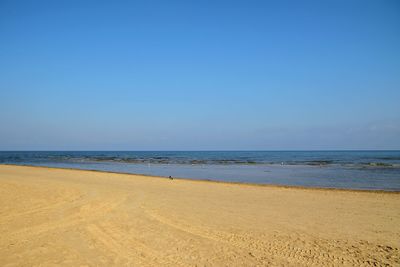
170	177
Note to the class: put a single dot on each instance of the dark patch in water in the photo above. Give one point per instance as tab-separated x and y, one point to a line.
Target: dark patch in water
319	162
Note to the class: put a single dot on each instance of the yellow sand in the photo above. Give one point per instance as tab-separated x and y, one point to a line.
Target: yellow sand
74	218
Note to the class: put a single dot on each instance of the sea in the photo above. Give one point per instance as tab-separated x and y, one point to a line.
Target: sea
363	170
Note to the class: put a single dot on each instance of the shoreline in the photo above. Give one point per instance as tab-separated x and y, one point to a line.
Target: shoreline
376	191
72	217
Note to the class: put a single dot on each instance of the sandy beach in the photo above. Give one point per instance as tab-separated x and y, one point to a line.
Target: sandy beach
58	217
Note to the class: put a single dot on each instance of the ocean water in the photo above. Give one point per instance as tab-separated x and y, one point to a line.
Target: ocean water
371	170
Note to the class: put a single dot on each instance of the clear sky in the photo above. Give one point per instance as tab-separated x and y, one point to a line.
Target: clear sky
199	75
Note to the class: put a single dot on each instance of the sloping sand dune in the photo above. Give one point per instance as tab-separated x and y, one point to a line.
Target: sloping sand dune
61	217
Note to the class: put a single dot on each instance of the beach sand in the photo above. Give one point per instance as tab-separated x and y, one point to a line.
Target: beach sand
53	217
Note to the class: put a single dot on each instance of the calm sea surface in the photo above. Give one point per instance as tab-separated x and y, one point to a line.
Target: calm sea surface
334	169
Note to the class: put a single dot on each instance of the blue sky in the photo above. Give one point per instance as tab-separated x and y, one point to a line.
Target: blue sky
199	75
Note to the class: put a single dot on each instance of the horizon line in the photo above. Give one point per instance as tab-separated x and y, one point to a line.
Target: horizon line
211	150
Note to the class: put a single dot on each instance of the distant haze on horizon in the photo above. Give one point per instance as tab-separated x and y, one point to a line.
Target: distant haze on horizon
198	75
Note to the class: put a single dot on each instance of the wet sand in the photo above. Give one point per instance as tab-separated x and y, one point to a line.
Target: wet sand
73	218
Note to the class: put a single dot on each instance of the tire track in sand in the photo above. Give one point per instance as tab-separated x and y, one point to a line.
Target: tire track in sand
42	208
59	198
127	249
87	211
284	247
